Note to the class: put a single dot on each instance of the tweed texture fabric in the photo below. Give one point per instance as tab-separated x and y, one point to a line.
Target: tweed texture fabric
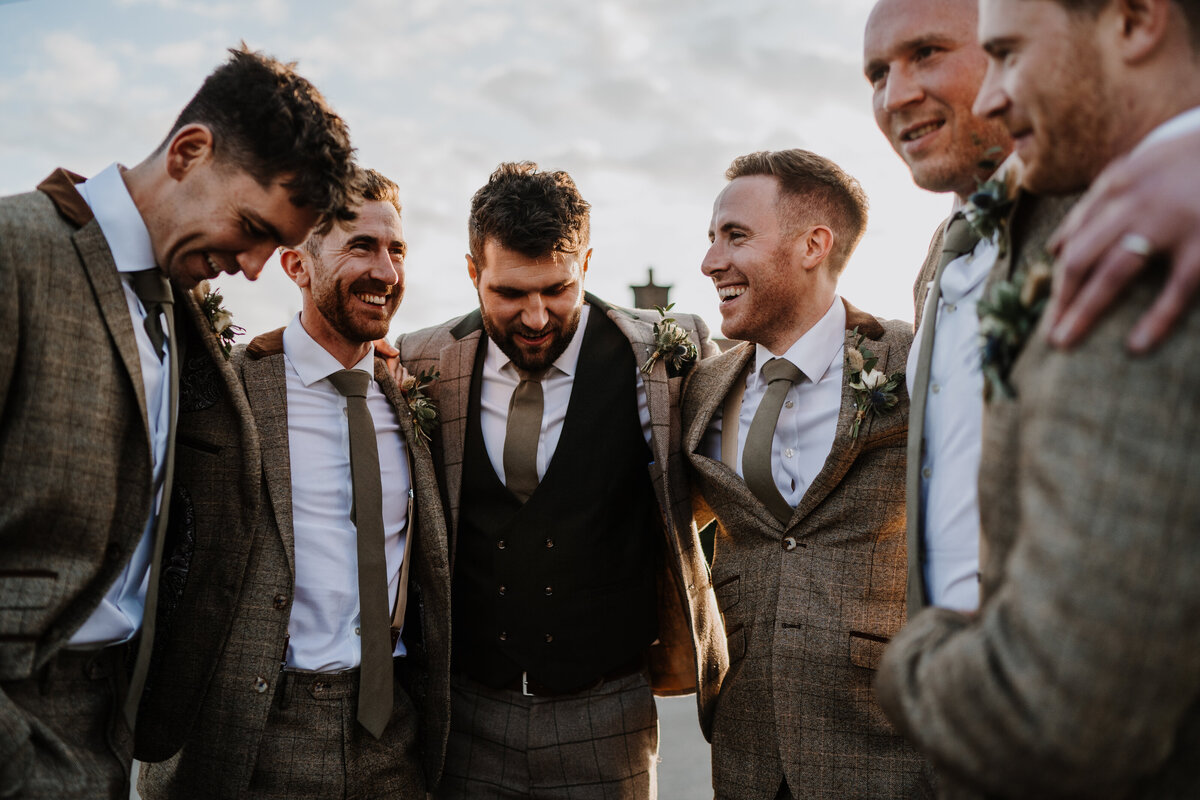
809	604
599	744
220	754
1081	673
690	654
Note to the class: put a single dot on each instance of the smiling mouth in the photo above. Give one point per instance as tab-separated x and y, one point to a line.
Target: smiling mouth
372	299
213	265
912	134
727	293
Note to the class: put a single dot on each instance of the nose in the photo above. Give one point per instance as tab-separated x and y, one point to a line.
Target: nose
713	261
901	89
386	270
534	314
251	261
992	101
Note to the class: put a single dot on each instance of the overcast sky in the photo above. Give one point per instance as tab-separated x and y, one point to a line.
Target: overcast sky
644	102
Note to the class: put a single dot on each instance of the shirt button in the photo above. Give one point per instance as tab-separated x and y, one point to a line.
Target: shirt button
503	589
789	543
950	307
549	542
789	404
504	636
925	473
549	638
935	388
549	591
358	631
280	600
500	545
261	685
789	453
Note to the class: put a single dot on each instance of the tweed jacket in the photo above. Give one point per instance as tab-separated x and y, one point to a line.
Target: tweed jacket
689	655
809	605
1081	673
222	744
74	438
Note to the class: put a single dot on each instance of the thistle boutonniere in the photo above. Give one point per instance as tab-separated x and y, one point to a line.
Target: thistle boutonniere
424	411
874	392
220	320
672	344
988	209
1007	316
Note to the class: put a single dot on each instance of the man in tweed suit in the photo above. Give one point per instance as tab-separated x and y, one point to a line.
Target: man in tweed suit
579	582
809	567
267	729
89	349
1079	675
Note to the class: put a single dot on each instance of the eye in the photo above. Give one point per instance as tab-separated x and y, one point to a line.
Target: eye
925	51
877	76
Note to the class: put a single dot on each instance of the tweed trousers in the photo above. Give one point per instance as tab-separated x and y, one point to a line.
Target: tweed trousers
86	747
598	744
314	749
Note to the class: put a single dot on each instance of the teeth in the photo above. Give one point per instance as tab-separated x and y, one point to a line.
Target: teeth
726	292
917	133
373	299
212	264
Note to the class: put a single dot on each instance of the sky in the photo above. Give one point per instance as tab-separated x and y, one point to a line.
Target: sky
643	102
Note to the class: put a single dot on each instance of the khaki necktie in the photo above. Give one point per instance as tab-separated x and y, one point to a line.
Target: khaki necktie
522	435
780	375
154	291
375	673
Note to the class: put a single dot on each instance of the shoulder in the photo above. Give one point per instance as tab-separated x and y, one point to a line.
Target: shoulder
427	342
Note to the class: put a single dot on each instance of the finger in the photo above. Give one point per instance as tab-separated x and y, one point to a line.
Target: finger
1111	186
1112	275
1177	296
385	349
1083	253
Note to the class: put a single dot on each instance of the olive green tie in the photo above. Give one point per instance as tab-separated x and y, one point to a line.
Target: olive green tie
522	435
780	375
153	289
375	673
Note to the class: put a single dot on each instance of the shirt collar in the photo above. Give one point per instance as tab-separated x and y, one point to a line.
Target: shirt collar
818	349
1176	126
567	362
313	362
119	219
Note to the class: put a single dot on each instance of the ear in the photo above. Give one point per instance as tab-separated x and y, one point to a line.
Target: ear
587	259
472	270
294	266
1142	25
814	246
190	146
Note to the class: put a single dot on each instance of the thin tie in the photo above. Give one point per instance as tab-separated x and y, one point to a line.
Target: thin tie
960	238
153	289
780	375
375	673
522	435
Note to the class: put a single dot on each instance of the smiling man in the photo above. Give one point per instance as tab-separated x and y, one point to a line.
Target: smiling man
796	439
319	646
104	355
579	583
1078	676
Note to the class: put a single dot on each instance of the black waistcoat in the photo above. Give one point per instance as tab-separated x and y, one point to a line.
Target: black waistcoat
562	587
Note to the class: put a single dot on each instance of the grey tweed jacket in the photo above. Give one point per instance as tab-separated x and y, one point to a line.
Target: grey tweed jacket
809	605
689	655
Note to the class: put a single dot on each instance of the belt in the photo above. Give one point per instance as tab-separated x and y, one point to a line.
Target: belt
532	688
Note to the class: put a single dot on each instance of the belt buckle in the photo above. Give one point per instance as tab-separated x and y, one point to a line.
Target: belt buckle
525	685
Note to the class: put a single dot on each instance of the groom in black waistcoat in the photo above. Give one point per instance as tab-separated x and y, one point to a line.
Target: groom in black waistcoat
579	584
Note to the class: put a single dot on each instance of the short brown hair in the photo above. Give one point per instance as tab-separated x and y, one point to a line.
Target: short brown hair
269	122
372	186
1190	9
531	212
813	189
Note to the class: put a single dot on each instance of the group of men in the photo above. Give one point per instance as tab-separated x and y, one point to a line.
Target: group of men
316	566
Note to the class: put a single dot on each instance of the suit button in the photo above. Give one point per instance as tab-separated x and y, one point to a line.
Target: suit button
789	543
503	589
549	638
500	545
261	685
549	542
504	636
280	600
925	473
549	591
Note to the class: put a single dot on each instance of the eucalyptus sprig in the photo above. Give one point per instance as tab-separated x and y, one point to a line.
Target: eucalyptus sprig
672	344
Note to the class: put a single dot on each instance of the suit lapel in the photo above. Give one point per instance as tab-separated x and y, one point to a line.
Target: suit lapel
658	393
457	363
266	386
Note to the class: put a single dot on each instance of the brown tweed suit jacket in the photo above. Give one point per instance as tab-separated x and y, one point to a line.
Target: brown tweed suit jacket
74	440
808	606
1080	677
689	655
222	744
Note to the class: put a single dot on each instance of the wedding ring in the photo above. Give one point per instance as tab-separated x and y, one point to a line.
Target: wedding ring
1137	244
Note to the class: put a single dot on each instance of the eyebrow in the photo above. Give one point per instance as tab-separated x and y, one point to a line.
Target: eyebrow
912	44
270	229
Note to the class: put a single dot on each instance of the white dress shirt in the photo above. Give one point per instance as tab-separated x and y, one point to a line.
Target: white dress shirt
119	615
807	422
1179	125
323	628
500	379
953	433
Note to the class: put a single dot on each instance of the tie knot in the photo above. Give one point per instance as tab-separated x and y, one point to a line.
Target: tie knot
350	382
151	286
960	237
526	375
780	369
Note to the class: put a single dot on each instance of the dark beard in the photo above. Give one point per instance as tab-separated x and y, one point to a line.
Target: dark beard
544	358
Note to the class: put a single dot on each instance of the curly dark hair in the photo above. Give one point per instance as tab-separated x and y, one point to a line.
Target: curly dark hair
269	121
531	212
813	190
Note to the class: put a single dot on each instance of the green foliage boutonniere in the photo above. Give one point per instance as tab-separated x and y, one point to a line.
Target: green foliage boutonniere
874	392
424	411
219	318
1007	316
988	209
672	344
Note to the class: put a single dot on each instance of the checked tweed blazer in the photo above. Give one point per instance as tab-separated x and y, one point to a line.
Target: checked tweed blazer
689	655
1080	676
222	744
809	605
75	453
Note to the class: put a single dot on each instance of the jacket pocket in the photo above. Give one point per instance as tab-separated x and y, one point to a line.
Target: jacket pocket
735	641
728	592
26	589
866	649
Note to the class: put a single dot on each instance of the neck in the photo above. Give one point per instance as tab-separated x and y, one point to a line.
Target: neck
808	316
347	352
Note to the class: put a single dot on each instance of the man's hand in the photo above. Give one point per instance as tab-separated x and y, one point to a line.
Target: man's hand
1141	206
391	356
